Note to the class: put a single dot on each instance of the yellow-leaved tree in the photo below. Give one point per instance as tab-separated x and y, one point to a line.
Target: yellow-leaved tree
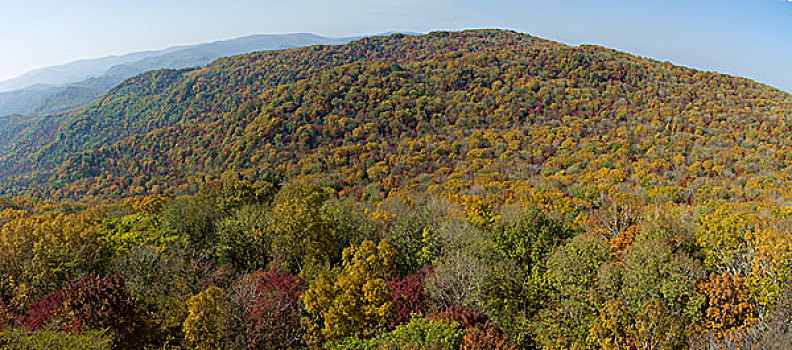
354	301
204	327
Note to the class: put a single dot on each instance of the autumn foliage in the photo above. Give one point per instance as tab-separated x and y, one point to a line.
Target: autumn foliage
481	189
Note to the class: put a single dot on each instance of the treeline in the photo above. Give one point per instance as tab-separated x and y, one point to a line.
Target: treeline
243	265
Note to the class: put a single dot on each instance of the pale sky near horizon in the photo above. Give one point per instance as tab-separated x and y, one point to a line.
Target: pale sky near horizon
750	38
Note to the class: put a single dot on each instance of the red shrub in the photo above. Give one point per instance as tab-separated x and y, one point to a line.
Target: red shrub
44	311
480	332
464	318
408	296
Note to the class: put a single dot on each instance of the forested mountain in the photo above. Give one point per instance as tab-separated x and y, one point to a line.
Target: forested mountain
428	100
481	189
54	89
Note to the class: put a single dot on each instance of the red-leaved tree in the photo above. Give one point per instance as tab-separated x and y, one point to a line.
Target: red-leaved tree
277	311
408	296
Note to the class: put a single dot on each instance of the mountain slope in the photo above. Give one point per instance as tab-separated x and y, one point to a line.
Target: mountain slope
53	89
490	108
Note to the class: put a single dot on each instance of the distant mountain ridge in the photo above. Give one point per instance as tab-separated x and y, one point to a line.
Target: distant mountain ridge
53	89
71	72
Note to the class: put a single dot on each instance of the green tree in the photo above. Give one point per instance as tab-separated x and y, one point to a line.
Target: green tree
571	274
419	333
244	238
652	271
119	235
193	220
515	289
230	193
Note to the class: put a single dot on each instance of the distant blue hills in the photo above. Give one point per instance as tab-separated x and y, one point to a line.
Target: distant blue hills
53	89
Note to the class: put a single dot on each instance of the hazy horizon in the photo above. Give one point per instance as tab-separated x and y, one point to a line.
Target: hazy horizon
749	39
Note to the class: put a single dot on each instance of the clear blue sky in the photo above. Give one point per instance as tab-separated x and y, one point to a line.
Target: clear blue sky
751	38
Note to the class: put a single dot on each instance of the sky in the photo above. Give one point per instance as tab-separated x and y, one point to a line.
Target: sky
750	38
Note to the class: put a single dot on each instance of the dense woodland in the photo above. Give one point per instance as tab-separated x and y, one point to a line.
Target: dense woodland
468	190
